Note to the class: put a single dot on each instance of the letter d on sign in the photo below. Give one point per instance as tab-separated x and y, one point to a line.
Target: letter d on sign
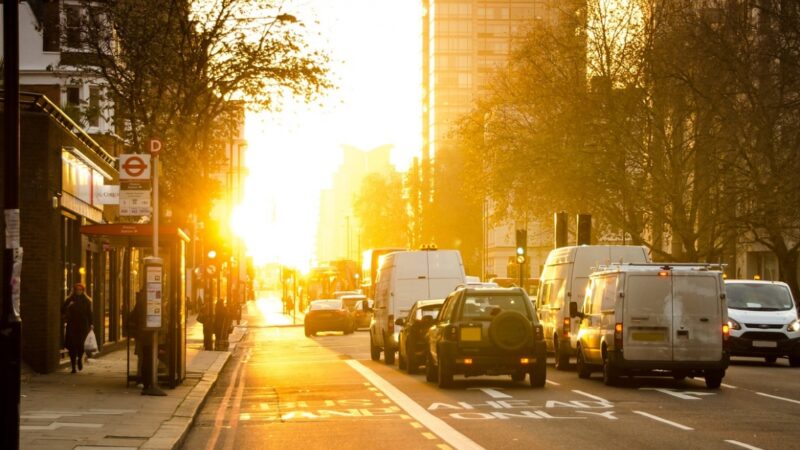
155	147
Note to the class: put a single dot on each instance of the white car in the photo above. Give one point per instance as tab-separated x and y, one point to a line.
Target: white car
763	320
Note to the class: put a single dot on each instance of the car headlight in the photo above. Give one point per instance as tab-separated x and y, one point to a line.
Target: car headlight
734	324
794	326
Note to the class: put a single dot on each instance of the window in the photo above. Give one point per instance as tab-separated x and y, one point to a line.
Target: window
51	28
73	26
73	96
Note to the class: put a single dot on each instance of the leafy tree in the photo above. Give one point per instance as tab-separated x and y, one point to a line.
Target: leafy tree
382	211
184	71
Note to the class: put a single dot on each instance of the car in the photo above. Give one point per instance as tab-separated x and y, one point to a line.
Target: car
486	331
763	320
352	302
413	333
363	314
328	315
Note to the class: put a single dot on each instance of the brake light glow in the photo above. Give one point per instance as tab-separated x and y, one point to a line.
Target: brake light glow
524	361
663	273
618	336
726	336
565	331
467	361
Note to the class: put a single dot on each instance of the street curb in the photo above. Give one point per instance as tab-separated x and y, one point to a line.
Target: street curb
172	433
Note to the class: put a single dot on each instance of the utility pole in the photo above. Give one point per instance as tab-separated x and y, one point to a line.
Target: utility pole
10	320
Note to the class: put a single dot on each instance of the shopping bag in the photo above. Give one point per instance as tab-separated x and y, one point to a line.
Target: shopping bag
90	345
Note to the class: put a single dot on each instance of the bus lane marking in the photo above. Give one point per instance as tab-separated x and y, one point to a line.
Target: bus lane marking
525	409
728	386
662	420
742	444
683	395
491	392
779	398
447	433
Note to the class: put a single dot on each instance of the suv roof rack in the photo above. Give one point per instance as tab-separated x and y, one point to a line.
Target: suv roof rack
664	266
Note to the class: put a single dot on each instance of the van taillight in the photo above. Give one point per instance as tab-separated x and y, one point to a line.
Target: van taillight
538	332
390	326
565	332
618	336
726	336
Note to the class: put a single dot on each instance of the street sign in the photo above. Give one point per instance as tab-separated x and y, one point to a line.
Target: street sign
155	147
154	287
134	203
134	167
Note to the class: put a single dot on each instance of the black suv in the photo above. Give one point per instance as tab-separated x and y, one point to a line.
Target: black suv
486	331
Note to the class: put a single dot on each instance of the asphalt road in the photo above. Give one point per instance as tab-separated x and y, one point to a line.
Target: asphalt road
284	390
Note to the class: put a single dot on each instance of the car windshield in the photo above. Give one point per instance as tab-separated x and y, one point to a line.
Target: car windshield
758	297
484	307
428	311
351	302
317	305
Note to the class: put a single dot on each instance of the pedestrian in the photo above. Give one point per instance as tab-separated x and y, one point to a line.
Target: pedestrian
76	312
221	324
143	346
205	316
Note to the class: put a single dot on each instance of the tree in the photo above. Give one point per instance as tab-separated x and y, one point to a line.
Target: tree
184	71
382	211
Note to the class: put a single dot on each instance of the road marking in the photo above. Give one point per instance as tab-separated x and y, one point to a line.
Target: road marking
728	386
684	395
230	435
444	447
219	417
668	422
57	425
600	399
779	398
386	401
433	423
416	425
494	393
428	435
742	444
552	382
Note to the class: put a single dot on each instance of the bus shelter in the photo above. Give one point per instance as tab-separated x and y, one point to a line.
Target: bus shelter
134	242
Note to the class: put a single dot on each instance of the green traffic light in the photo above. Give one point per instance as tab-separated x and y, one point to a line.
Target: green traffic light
520	251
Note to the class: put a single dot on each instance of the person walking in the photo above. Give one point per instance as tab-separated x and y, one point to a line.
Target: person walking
221	324
77	313
205	316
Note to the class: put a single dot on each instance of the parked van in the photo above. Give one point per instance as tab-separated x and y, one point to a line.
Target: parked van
763	320
403	278
564	277
654	319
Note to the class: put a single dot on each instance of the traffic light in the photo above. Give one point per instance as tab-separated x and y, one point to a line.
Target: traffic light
522	245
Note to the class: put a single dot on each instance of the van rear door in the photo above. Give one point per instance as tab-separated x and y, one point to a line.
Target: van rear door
445	272
697	316
647	317
411	282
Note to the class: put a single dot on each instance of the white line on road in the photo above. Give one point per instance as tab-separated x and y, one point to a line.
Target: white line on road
742	444
779	398
600	399
728	386
553	383
433	423
494	393
668	422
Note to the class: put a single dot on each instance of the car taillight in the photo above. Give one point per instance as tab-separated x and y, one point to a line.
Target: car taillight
618	336
566	327
538	332
391	324
726	336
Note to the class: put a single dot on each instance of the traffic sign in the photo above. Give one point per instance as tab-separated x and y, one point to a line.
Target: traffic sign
155	146
134	167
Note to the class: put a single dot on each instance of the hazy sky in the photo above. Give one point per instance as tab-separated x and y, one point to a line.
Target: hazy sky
375	52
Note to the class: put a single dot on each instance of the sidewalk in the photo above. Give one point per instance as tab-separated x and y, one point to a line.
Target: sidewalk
94	409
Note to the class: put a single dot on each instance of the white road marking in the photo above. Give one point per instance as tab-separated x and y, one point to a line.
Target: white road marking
57	425
430	436
728	386
494	393
668	422
601	399
742	444
683	395
779	398
433	423
552	382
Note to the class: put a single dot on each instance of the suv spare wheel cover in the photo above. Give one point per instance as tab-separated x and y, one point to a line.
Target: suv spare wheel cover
510	330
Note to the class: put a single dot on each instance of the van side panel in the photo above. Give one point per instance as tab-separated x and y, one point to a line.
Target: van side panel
647	318
697	317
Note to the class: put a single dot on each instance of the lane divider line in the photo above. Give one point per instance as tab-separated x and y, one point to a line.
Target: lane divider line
448	434
779	398
416	425
742	444
219	417
552	382
444	447
662	420
600	399
728	386
429	436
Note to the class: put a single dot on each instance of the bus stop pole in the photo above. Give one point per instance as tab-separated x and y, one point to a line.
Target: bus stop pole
152	389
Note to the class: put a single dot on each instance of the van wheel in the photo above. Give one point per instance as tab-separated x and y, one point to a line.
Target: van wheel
562	356
794	361
308	332
714	378
431	373
445	374
374	352
583	369
610	373
538	374
770	359
388	352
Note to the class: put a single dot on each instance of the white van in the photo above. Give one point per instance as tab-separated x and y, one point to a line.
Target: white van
654	319
763	320
403	278
564	277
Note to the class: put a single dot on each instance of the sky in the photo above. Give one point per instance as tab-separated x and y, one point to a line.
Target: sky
375	52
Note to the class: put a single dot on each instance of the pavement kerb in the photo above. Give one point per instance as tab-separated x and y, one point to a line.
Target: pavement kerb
171	434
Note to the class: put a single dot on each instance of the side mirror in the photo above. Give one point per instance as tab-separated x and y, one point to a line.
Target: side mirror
401	321
365	307
573	309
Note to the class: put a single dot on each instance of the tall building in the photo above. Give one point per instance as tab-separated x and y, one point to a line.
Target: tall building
464	43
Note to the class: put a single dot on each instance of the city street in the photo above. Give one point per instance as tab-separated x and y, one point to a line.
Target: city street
281	389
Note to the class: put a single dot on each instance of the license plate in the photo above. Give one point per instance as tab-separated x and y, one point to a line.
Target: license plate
471	334
648	337
771	344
